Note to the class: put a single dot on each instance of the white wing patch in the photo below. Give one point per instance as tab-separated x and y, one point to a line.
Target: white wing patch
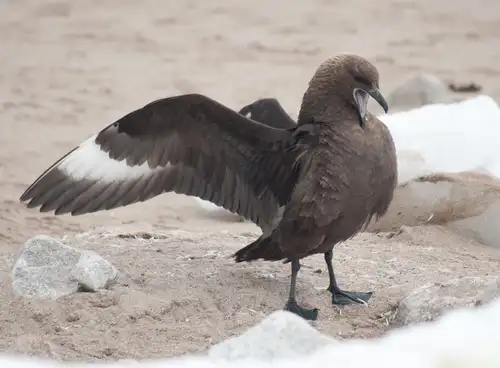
89	162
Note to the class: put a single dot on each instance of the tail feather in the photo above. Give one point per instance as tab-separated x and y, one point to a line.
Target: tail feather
263	248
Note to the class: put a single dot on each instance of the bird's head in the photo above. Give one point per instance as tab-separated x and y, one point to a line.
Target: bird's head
349	79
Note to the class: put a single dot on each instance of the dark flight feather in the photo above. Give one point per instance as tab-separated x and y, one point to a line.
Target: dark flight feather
188	144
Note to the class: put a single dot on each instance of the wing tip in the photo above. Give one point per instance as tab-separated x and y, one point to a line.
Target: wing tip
28	193
46	208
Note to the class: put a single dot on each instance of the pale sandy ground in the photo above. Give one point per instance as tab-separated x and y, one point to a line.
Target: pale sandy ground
69	68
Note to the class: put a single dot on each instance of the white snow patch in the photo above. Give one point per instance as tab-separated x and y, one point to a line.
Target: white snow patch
448	138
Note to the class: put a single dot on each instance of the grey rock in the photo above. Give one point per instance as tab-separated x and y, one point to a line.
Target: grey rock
46	268
422	89
281	334
430	301
93	272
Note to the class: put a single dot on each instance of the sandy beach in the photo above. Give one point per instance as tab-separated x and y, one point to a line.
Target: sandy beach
69	68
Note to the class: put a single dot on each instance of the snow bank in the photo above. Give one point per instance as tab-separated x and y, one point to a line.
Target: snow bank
461	338
448	138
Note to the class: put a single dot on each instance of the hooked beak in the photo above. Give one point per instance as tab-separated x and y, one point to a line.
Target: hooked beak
361	98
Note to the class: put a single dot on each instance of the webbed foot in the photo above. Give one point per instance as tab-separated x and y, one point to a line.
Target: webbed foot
308	314
341	297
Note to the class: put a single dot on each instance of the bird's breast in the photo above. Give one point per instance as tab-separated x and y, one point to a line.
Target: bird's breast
345	170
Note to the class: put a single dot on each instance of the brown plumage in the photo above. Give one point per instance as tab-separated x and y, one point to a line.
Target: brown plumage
348	174
308	186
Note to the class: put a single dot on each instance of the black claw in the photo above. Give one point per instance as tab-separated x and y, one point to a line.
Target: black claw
308	314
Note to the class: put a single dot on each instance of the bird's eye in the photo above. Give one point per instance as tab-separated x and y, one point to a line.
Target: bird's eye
362	80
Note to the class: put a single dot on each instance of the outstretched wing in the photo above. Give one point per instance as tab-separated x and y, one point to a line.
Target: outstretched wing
270	112
188	144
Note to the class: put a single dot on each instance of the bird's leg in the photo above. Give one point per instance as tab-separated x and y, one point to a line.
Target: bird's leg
341	297
291	305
